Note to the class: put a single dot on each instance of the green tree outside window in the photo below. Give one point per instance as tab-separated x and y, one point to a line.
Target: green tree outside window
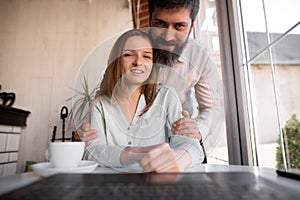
291	135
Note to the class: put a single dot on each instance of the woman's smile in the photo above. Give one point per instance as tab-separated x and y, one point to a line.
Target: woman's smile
137	71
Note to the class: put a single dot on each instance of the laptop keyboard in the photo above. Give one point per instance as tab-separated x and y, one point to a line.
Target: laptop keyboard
218	190
133	191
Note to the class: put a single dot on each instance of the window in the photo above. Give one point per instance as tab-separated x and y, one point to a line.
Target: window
255	45
206	31
261	66
271	61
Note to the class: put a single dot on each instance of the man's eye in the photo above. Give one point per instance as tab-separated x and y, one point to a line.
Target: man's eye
148	57
160	24
179	26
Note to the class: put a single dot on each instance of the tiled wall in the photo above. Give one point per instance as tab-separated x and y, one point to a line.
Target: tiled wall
9	149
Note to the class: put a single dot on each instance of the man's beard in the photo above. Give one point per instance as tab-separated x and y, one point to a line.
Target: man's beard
165	57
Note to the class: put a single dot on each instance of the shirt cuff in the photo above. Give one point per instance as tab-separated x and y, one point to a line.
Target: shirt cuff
191	145
106	155
203	129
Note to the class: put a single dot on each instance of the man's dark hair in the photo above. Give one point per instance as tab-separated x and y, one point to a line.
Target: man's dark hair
192	5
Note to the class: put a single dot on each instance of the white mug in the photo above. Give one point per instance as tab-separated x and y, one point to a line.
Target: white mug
65	155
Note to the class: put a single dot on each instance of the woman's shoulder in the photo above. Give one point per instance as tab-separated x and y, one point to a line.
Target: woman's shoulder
103	99
164	90
100	98
168	98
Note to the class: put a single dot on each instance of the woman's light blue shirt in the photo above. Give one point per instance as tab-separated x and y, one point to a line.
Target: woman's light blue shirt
154	127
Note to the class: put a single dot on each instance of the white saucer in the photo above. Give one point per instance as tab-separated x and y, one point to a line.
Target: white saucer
46	169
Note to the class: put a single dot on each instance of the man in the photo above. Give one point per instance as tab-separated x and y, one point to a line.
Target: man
187	67
190	67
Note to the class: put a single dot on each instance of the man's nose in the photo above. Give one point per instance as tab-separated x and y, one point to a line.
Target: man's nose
168	34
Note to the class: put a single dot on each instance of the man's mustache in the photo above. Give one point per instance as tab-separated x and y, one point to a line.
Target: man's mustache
164	42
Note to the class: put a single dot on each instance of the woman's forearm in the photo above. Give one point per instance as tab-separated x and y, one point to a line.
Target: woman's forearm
129	155
134	154
105	155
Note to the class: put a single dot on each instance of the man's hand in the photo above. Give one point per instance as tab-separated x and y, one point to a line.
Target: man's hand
85	134
186	126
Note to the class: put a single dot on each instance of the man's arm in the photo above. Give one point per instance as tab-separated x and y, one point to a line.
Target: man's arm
209	97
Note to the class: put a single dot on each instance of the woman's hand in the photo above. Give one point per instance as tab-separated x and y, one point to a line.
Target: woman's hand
85	134
162	158
134	154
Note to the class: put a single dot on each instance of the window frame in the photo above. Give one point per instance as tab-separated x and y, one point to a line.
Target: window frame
238	126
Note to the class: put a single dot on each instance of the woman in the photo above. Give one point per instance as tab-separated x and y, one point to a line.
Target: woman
133	114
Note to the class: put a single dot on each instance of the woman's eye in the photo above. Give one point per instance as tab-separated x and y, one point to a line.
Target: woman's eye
148	57
127	55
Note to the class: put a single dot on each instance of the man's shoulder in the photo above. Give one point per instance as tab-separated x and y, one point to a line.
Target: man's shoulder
195	52
197	45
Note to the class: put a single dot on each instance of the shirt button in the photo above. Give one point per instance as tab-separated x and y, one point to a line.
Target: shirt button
129	143
128	128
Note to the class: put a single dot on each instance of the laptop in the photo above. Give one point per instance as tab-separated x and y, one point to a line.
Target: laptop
293	173
187	186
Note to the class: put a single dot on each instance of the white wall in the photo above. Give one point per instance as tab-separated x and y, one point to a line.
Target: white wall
287	79
42	44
